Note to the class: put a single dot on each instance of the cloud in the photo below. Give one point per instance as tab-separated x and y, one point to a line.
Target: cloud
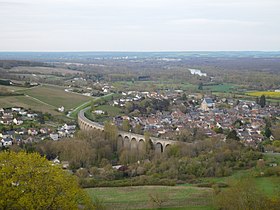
204	21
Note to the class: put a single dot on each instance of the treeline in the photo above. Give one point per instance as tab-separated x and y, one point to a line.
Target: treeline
8	64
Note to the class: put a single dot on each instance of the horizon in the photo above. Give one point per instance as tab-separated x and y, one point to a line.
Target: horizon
163	51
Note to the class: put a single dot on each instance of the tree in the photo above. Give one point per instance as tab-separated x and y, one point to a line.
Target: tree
126	125
267	132
262	101
243	195
138	129
200	86
29	181
233	135
111	134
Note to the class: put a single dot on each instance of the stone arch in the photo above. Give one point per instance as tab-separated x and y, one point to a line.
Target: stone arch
141	145
133	144
126	142
158	147
167	147
120	142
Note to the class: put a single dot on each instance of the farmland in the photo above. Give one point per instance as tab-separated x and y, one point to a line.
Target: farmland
140	197
269	94
56	96
26	102
224	88
46	98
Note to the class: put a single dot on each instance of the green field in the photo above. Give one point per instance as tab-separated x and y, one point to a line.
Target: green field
224	88
45	98
140	197
13	88
186	196
26	102
55	96
111	110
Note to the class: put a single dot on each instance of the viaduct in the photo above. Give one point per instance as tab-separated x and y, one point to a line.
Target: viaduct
125	139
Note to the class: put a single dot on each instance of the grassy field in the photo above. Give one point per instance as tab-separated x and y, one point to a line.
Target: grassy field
111	110
55	96
12	88
26	102
140	197
224	88
269	94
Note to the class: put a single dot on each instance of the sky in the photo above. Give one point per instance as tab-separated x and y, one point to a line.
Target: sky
140	25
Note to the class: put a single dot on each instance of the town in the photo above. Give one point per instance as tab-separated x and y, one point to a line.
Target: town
19	126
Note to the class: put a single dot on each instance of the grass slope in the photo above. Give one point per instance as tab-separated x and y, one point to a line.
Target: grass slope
56	96
139	197
26	102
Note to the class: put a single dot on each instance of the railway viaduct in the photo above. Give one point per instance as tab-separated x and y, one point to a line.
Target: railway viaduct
125	139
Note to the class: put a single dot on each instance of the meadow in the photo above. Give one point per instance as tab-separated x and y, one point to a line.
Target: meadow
140	197
56	96
26	102
223	88
184	196
45	98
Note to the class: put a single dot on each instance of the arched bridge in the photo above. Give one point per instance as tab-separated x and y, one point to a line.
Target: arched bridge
125	139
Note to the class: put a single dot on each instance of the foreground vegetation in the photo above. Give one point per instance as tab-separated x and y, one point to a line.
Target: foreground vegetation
152	197
28	181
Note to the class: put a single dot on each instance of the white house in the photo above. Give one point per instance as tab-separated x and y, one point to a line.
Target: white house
22	112
99	112
32	115
15	109
17	122
69	127
54	136
61	109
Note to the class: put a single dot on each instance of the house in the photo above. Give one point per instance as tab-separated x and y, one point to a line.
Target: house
65	164
6	121
54	136
32	115
99	112
44	130
22	112
32	132
7	141
56	161
69	127
207	104
17	122
61	109
15	109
